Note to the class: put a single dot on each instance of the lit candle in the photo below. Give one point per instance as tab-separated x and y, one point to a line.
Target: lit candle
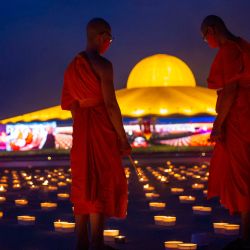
186	199
231	229
201	210
1	214
120	239
205	192
64	226
177	190
62	184
157	205
2	189
62	196
147	187
2	199
48	205
16	186
21	202
165	220
151	196
219	227
197	186
187	246
52	188
169	245
110	234
26	220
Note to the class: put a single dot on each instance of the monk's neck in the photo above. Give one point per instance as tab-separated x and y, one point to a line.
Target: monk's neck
92	50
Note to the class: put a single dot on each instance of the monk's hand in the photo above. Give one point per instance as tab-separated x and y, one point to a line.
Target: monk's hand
125	148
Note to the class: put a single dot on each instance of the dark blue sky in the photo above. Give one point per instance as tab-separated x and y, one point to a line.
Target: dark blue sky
39	37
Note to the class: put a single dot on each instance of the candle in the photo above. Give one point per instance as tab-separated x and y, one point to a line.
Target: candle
1	214
120	239
16	186
197	186
201	210
231	229
205	192
169	245
48	205
62	196
52	188
62	184
143	179
165	220
157	205
219	227
2	189
110	234
26	220
147	187
151	196
186	199
177	190
2	199
64	226
21	202
187	246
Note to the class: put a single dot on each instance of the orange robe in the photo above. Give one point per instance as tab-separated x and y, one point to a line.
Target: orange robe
99	183
229	173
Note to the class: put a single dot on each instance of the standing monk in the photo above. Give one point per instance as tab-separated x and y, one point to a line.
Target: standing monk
230	164
99	186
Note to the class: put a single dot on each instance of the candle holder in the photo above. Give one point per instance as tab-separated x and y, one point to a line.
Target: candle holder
187	199
64	226
187	246
201	210
21	202
48	205
171	245
110	234
165	220
157	205
26	220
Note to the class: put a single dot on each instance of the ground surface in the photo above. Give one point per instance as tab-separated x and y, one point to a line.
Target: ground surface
139	227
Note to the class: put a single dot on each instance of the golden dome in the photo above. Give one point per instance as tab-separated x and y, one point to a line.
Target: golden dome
160	70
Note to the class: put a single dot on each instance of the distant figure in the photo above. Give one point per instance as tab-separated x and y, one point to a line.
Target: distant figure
230	164
99	185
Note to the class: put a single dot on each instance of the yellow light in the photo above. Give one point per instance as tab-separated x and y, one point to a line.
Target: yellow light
163	111
160	70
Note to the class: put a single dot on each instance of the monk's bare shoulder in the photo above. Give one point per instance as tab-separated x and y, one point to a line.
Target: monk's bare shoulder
104	63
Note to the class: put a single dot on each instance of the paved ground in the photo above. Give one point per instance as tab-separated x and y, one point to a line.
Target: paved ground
139	227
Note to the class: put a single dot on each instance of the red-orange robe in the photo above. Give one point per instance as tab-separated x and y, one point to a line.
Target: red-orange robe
230	164
99	183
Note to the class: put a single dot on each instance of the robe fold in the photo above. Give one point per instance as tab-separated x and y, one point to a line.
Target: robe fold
229	172
99	183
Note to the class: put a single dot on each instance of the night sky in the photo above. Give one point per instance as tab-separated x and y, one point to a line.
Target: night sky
40	37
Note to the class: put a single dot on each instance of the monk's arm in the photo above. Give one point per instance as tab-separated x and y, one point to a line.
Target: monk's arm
110	100
224	103
73	109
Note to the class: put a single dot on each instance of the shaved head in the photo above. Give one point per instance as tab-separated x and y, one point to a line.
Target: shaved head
213	21
97	26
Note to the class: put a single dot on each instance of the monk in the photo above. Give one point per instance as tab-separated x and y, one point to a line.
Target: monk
99	186
230	164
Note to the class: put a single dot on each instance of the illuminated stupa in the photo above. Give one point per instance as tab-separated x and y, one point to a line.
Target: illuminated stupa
159	85
163	85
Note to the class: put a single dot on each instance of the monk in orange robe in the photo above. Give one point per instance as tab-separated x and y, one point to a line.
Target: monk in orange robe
229	173
99	186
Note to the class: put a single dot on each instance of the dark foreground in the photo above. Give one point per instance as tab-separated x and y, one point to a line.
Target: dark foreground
139	227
